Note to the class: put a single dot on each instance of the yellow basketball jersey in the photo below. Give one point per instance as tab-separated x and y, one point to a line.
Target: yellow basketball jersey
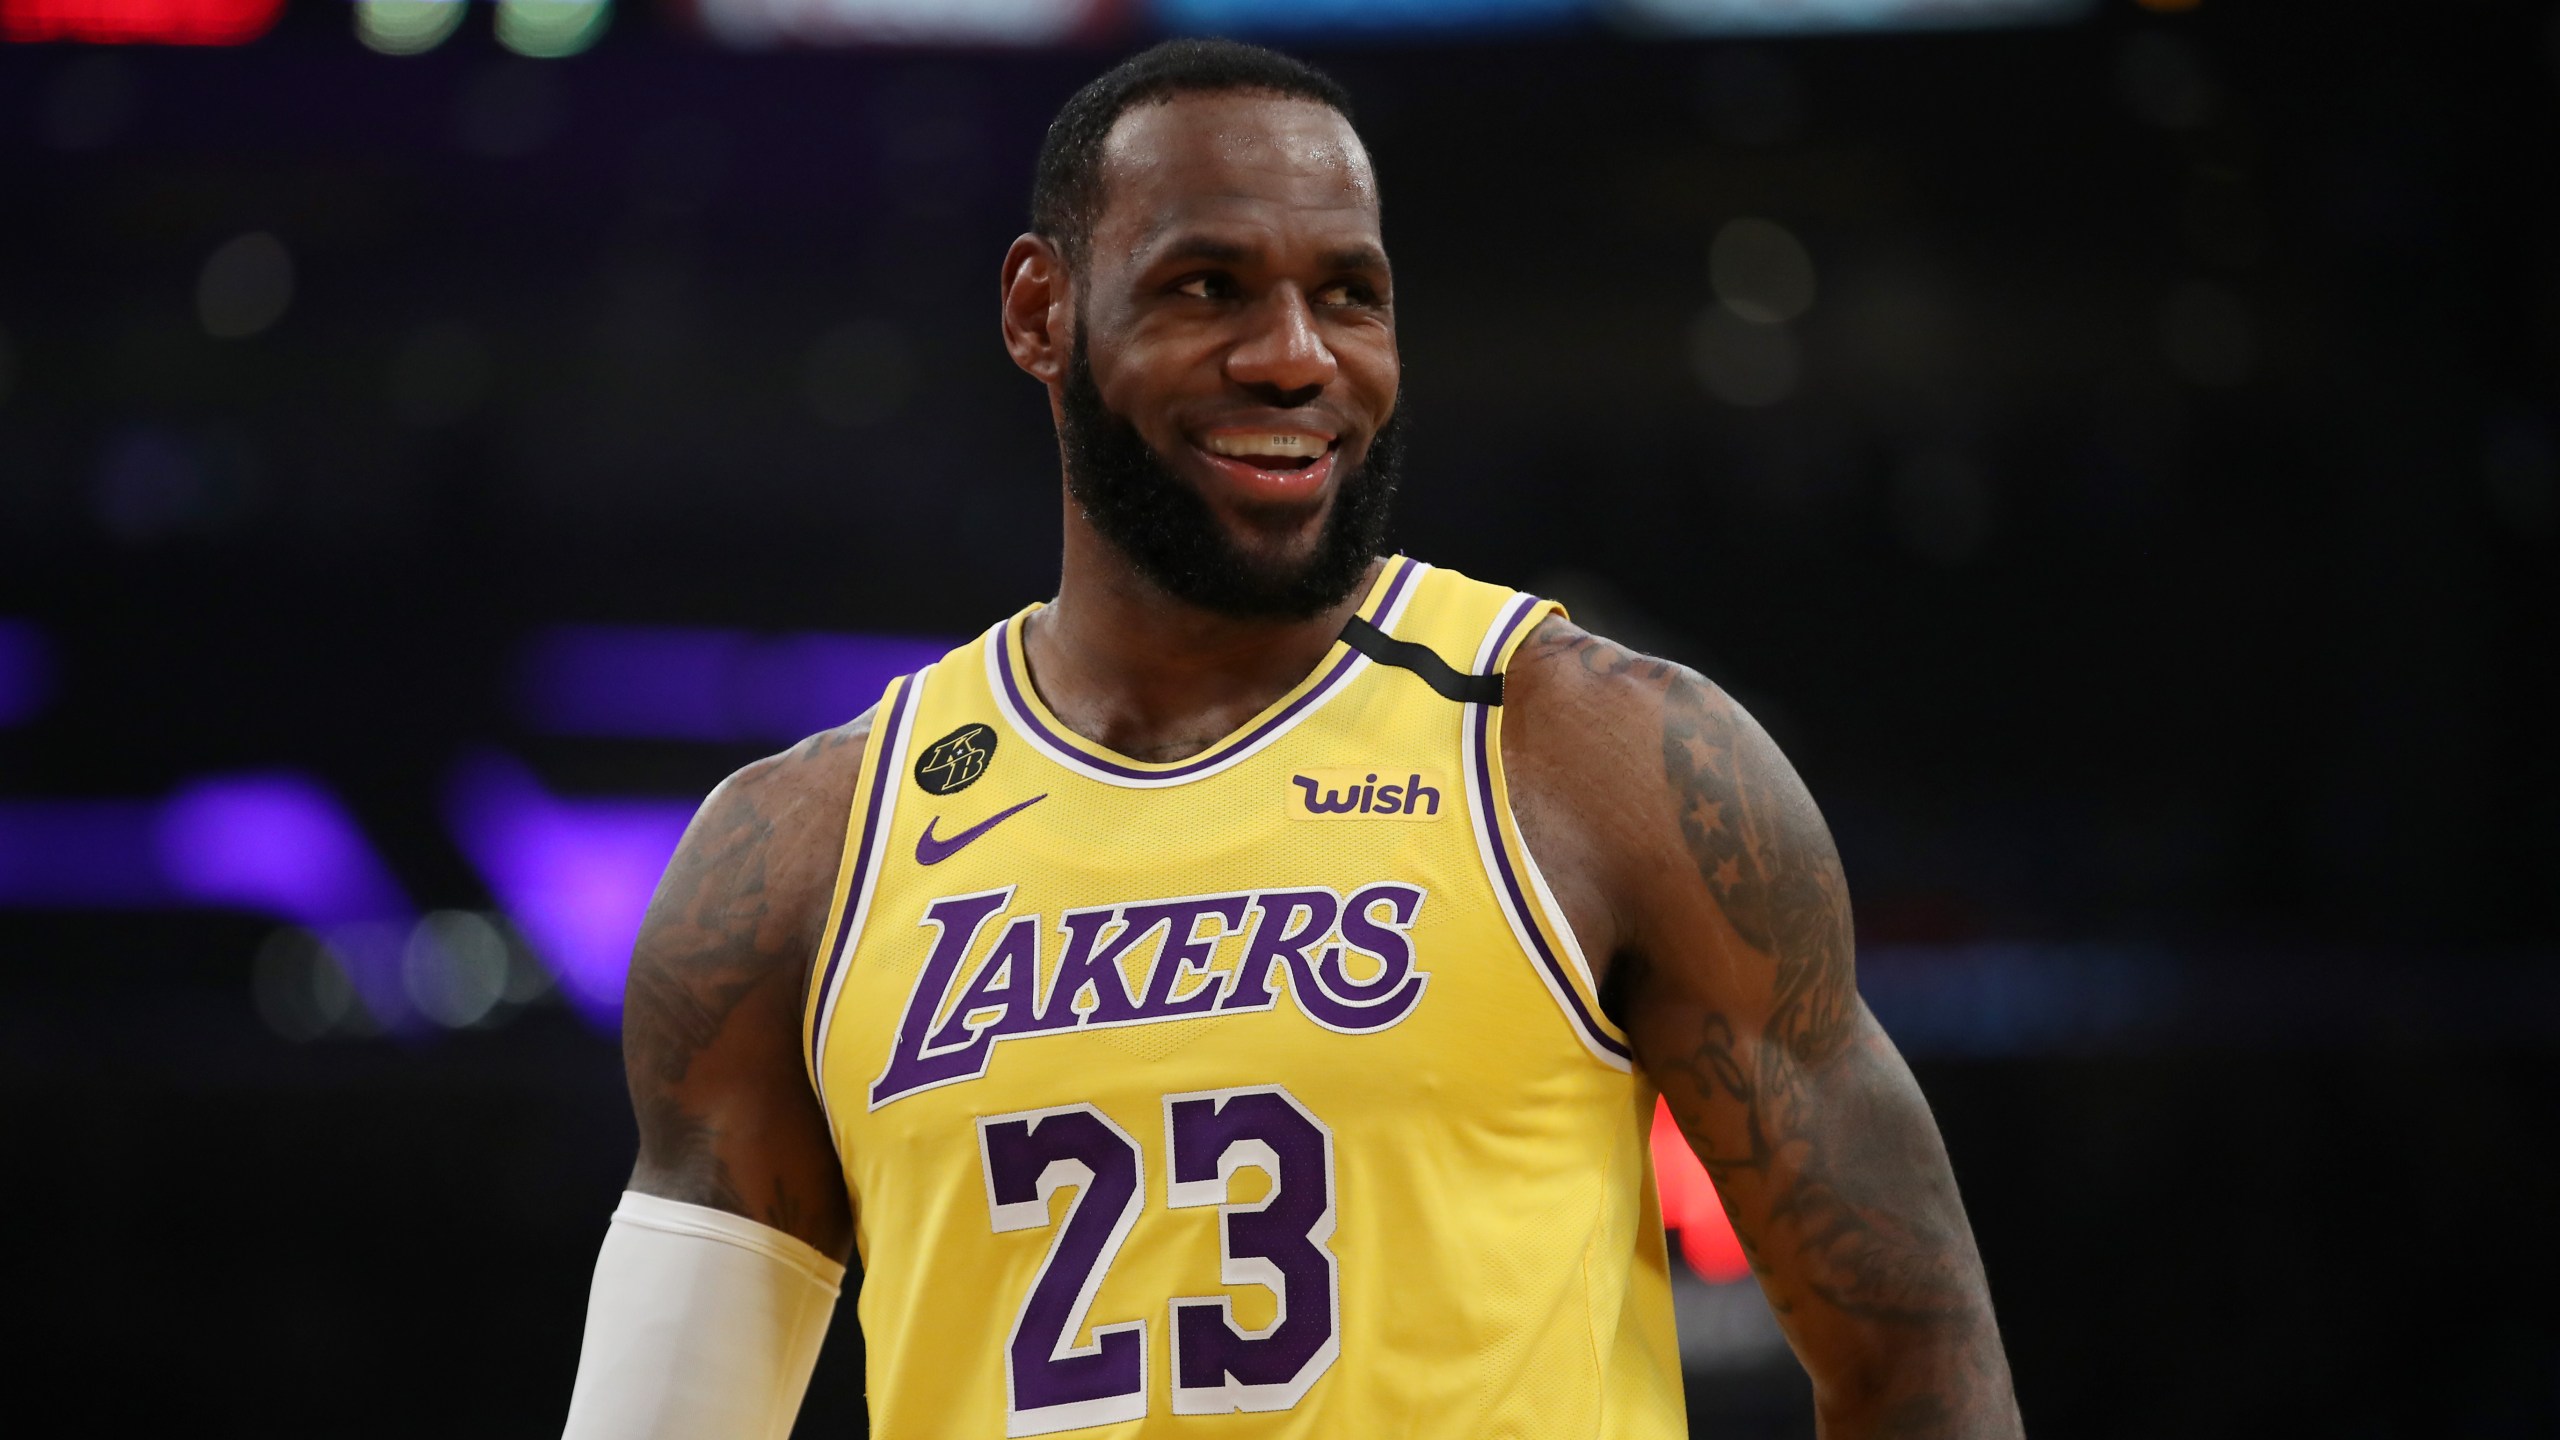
1260	1094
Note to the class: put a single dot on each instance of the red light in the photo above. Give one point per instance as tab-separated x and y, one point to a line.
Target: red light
1690	1206
139	22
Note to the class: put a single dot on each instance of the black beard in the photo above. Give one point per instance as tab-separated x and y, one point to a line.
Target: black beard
1171	535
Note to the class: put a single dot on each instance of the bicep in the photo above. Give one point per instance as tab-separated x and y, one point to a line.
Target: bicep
712	1008
1745	1011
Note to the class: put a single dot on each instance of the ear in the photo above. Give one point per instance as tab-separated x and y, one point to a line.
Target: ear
1037	309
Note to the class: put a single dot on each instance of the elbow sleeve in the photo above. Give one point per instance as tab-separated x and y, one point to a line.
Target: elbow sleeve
700	1324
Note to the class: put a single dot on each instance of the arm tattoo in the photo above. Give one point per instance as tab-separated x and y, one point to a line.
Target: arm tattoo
716	937
1806	1118
697	960
1769	863
704	922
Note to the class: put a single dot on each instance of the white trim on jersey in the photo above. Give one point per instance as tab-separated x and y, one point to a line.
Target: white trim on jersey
1608	1049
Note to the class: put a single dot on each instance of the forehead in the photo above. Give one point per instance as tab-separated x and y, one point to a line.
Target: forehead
1286	166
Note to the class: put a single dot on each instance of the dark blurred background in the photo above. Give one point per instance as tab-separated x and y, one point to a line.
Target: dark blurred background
2112	446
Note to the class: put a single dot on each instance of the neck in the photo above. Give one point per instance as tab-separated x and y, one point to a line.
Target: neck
1133	668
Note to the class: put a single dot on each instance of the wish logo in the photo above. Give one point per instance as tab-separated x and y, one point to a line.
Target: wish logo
991	976
1358	794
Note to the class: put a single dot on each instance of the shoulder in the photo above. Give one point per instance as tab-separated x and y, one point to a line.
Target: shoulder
1693	825
1583	705
1650	779
757	864
1582	731
1644	729
795	789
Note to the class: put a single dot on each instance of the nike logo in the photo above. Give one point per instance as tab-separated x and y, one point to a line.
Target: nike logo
932	851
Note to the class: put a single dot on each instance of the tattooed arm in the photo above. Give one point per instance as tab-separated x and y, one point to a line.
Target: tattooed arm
1706	878
711	1017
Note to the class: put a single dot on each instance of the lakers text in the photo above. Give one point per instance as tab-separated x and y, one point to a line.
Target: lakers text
1142	962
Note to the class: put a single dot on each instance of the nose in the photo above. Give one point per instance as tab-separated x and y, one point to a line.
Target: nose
1283	358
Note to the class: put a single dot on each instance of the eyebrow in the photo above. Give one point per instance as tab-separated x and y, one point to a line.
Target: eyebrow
1204	247
1363	258
1356	257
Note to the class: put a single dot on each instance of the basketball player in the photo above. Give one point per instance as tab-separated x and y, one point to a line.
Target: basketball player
1228	1000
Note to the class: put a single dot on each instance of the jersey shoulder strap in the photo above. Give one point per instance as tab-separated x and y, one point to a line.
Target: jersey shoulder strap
1456	635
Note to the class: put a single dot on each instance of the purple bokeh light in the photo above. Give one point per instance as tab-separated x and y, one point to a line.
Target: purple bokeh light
575	875
277	844
683	683
26	671
274	844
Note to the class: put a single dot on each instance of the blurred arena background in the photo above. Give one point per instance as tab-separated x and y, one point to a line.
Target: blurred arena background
2112	446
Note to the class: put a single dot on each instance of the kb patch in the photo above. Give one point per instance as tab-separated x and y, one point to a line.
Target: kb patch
954	762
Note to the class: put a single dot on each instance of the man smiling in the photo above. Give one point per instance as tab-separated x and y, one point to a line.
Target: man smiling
1229	998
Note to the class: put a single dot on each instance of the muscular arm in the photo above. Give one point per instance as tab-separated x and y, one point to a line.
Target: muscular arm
711	1015
1683	843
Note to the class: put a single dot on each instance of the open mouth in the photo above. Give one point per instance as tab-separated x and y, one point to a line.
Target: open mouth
1272	466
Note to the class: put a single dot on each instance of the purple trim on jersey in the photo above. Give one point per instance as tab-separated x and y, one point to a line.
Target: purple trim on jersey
1030	717
1502	857
1521	610
887	741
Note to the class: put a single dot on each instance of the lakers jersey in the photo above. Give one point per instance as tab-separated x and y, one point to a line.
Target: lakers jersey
1259	1094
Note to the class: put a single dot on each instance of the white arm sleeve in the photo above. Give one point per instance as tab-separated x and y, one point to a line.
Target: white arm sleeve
702	1325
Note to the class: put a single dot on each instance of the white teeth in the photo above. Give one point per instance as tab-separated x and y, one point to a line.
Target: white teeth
1276	443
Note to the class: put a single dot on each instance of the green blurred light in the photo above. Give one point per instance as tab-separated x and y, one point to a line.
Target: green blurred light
406	27
550	29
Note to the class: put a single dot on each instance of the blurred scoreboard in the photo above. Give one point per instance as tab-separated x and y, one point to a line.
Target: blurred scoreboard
1045	22
564	27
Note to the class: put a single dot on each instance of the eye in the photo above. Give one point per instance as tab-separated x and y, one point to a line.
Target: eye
1347	293
1208	285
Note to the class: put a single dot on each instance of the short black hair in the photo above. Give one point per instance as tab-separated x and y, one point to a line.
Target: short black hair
1066	189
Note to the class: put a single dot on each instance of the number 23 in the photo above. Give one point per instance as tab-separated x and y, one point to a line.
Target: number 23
1277	1242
